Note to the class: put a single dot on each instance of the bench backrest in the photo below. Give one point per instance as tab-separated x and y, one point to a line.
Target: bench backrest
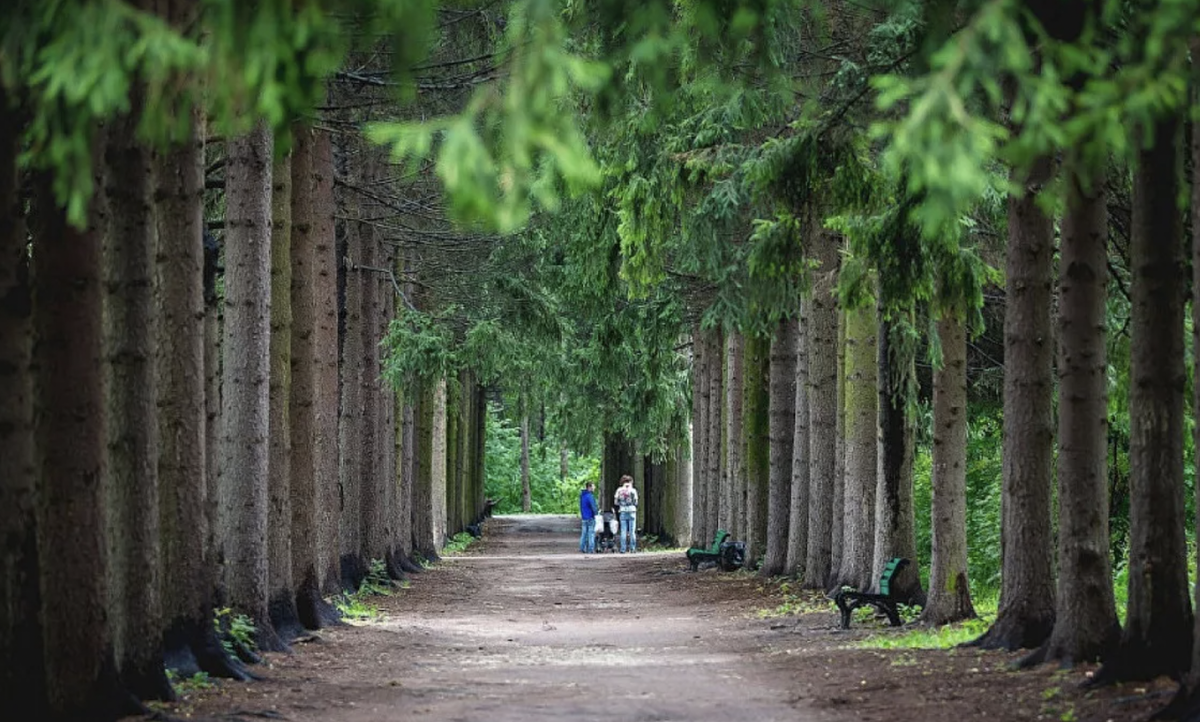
722	535
894	565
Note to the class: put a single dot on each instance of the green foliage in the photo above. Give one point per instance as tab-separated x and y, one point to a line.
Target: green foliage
185	686
235	630
458	544
550	493
356	605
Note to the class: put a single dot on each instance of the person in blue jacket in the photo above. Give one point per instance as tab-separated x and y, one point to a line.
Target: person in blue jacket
587	512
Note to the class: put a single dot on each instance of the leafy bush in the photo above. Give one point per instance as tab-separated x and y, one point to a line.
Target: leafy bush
235	628
549	493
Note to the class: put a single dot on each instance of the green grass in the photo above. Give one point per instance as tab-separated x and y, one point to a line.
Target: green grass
188	685
946	637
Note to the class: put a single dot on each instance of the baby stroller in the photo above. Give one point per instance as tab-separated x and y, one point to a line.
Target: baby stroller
606	532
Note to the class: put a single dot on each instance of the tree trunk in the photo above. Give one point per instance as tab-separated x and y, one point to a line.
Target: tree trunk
326	370
81	674
823	411
185	321
837	544
564	461
861	447
781	433
1085	620
712	473
422	500
21	668
895	534
1158	628
284	615
949	591
797	544
131	420
683	482
756	457
733	508
438	436
1026	613
700	440
371	493
246	376
526	491
312	611
351	447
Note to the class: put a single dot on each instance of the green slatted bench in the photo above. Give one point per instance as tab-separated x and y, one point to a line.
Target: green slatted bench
847	600
697	555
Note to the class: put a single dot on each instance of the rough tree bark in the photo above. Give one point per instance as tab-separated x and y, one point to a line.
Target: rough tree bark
781	433
350	429
371	487
797	546
733	517
437	455
823	407
1157	639
246	372
756	457
949	591
185	321
21	669
861	449
312	611
1026	613
895	522
837	544
1085	620
422	501
712	474
81	674
284	615
326	370
695	497
131	420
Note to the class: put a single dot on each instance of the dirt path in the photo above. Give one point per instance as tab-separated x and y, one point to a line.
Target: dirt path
525	628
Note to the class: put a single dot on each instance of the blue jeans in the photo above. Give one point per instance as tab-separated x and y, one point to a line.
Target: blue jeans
587	537
628	519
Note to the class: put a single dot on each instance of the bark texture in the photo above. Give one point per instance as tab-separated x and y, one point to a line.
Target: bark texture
131	421
1085	620
351	446
246	376
712	472
733	492
861	449
757	450
838	543
822	399
949	590
326	369
895	521
21	670
81	674
699	432
282	591
798	516
1157	638
781	433
1026	613
312	611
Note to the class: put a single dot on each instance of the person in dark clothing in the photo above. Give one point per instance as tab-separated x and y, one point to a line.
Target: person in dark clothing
587	513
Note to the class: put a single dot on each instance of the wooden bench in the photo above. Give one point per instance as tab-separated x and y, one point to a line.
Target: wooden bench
847	600
729	555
